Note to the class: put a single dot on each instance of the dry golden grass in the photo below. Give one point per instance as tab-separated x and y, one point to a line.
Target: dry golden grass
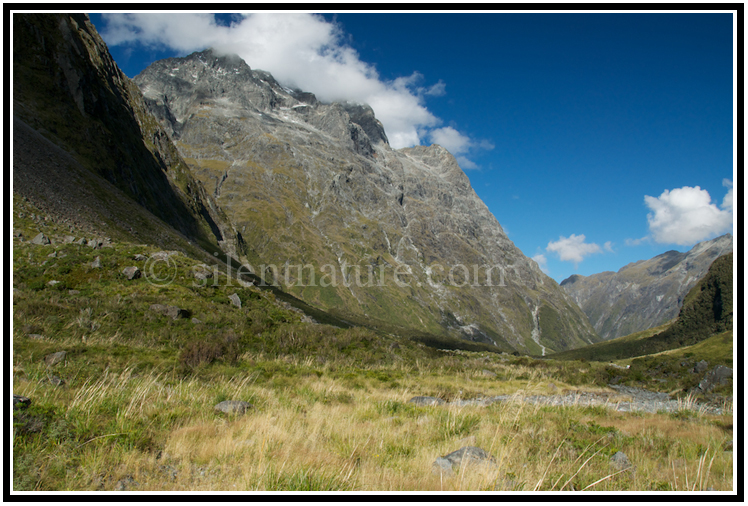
336	431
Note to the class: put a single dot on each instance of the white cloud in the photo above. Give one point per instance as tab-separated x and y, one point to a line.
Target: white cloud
454	141
573	248
542	262
727	201
687	215
458	144
608	246
637	242
300	50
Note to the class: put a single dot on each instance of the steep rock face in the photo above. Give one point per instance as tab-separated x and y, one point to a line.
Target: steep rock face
643	294
368	232
67	87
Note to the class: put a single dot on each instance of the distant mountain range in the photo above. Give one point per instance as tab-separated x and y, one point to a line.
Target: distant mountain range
209	156
643	294
707	311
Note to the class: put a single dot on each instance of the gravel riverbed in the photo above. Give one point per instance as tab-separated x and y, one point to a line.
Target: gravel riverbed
622	398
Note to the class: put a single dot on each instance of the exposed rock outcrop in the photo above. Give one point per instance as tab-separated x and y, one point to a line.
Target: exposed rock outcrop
316	192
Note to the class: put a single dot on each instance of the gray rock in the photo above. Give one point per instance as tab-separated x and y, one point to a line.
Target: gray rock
170	471
56	380
163	255
53	282
55	358
131	272
140	258
96	264
81	241
235	300
95	243
172	312
52	255
126	483
196	321
467	455
427	401
74	292
40	239
203	275
620	460
20	402
720	375
68	239
701	366
233	407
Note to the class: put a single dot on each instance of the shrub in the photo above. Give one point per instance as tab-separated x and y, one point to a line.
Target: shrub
199	352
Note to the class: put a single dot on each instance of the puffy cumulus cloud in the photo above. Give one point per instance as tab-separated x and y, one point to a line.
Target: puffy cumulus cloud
685	216
573	248
608	246
300	50
458	144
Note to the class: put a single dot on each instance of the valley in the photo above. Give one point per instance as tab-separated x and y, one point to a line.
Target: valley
151	352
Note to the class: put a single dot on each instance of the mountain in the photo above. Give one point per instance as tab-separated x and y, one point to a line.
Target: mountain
87	150
707	311
327	209
646	293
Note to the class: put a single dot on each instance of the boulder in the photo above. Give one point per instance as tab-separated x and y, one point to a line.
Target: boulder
701	366
56	380
467	455
54	358
96	264
203	275
163	255
720	375
20	402
131	272
140	258
53	282
172	312
233	407
95	243
235	300
126	483
68	239
427	401
40	239
620	460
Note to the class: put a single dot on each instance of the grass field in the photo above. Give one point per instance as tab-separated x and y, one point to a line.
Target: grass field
330	405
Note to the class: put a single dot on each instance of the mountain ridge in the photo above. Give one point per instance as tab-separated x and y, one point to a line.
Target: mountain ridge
646	293
305	184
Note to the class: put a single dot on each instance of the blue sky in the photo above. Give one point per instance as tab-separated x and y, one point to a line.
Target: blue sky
609	126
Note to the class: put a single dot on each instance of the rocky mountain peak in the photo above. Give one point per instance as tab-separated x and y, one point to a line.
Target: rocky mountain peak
316	184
